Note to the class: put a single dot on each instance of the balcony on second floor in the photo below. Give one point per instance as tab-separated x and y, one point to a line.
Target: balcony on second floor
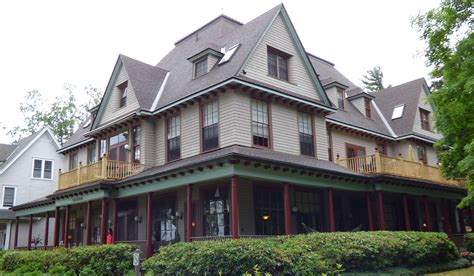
104	169
378	163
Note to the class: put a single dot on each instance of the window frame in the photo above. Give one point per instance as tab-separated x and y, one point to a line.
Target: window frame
123	96
269	124
356	148
167	139
195	66
3	196
425	124
340	99
76	154
202	124
424	157
311	125
92	156
368	108
136	144
43	169
278	56
206	195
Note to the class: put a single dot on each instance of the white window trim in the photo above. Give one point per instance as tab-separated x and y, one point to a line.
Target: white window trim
3	195
42	169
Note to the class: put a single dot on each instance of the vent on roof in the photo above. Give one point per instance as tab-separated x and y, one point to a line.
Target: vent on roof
228	55
398	111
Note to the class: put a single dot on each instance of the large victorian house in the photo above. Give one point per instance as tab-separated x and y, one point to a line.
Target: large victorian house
240	132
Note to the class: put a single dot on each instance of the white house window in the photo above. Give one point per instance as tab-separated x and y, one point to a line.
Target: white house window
8	196
200	68
305	130
123	88
42	169
340	98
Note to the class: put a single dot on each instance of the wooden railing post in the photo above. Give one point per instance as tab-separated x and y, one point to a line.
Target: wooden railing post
79	173
378	161
338	159
59	180
104	167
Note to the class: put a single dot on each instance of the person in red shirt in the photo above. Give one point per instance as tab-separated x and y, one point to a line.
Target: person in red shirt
110	237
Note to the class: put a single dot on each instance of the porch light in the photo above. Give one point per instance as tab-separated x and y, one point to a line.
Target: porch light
127	147
193	224
265	217
138	219
178	215
83	225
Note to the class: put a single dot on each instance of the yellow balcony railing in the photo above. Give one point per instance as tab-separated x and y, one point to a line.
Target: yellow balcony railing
101	170
382	164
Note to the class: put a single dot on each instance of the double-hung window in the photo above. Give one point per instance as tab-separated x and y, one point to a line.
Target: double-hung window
42	169
340	98
260	123
277	64
305	130
174	138
200	68
123	88
8	196
425	119
210	126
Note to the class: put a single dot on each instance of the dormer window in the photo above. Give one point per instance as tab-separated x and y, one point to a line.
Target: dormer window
277	63
200	67
123	89
425	119
368	110
340	98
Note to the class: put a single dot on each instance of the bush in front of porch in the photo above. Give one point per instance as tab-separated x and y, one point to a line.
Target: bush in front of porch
305	254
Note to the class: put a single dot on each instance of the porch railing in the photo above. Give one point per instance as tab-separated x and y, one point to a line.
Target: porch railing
378	163
104	169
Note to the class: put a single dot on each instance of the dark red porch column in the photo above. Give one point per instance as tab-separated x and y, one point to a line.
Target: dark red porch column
332	221
103	223
406	213
17	225
427	214
149	225
46	230
381	210
461	220
88	223
447	217
56	227
235	207
66	226
286	207
189	213
30	231
114	236
369	212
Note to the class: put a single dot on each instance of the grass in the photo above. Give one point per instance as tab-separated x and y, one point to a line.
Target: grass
457	272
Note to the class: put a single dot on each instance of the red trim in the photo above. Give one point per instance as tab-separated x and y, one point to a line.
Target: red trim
381	211
369	212
114	236
46	230
149	225
66	227
235	208
189	213
332	221
406	213
286	207
30	232
426	218
103	223
356	149
56	227
88	223
15	241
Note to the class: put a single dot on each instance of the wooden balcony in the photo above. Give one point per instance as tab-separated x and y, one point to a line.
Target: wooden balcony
101	170
382	164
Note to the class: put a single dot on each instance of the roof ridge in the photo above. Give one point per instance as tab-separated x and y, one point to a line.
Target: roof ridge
321	59
401	84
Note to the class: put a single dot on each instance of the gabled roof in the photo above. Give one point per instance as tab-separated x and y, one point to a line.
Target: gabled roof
77	138
328	74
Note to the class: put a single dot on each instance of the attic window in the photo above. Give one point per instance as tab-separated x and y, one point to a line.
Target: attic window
228	55
200	67
277	63
123	89
398	111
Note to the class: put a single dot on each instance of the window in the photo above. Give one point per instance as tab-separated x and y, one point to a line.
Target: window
102	148
117	145
398	111
200	68
174	138
42	169
368	111
216	212
92	153
137	137
210	126
305	130
425	119
269	211
73	160
123	88
8	196
354	151
260	125
127	226
421	151
96	222
329	139
308	211
164	221
340	98
277	64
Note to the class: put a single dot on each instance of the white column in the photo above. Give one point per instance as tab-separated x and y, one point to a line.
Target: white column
6	246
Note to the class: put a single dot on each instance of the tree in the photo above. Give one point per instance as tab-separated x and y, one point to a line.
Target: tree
448	33
373	80
62	116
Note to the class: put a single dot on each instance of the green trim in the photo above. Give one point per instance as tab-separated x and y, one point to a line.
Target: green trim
416	191
207	51
81	198
35	210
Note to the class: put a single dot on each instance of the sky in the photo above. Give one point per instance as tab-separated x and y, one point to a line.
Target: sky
46	44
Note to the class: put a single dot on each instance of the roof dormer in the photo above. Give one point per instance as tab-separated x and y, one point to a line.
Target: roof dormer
363	102
204	61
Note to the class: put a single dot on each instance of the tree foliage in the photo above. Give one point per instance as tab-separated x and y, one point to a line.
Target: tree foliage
448	33
63	115
373	80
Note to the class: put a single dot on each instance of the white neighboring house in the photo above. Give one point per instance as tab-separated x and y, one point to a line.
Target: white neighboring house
27	172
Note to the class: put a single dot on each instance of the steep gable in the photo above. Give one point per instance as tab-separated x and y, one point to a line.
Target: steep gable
424	105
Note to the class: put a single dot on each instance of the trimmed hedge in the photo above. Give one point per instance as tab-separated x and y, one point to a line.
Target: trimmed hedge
305	254
88	260
469	242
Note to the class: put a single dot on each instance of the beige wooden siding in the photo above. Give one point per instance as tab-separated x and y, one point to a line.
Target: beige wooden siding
340	138
423	103
285	128
332	94
160	141
211	62
359	104
148	143
234	116
112	106
190	142
278	37
321	136
401	147
432	156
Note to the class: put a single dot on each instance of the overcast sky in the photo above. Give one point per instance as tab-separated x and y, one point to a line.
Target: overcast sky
44	44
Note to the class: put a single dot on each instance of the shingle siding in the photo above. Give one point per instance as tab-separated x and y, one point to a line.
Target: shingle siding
234	116
190	142
285	128
148	143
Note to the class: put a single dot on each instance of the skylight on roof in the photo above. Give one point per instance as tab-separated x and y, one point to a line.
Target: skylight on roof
398	111
228	55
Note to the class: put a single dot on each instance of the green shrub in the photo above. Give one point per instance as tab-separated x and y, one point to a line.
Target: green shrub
469	242
305	254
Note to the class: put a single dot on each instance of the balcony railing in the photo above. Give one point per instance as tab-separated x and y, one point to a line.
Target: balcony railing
101	170
382	164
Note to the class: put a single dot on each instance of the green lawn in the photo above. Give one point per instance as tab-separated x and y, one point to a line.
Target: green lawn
457	272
